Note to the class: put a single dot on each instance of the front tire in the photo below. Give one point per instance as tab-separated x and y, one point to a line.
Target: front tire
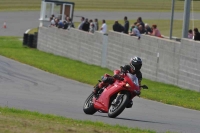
116	109
88	106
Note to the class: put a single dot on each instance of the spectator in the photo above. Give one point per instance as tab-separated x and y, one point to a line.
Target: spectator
190	34
60	24
53	17
131	28
118	27
65	25
126	25
92	27
86	25
56	22
104	26
90	21
81	24
135	32
67	19
147	29
196	34
52	21
140	28
137	25
139	20
70	24
96	24
155	31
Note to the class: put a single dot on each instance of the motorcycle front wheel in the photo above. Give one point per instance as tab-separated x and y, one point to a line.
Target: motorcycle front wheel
88	106
117	108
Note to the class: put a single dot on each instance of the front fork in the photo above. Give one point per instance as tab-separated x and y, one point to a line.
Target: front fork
117	99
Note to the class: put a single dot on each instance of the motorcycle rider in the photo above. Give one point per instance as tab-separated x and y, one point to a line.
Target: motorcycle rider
133	68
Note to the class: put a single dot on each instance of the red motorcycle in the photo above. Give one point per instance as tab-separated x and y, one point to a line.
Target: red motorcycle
113	98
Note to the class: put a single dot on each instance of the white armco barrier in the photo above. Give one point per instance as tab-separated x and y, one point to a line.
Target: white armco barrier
164	60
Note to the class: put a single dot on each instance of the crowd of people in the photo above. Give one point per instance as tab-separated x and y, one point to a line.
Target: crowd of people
85	25
92	26
135	29
89	26
67	24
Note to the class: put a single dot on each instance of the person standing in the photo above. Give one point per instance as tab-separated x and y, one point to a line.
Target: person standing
135	32
70	24
147	29
86	25
139	20
92	28
96	24
155	31
190	34
196	34
118	27
81	24
126	25
103	27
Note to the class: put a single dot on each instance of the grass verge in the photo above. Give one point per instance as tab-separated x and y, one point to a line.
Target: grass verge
22	121
32	31
11	47
102	5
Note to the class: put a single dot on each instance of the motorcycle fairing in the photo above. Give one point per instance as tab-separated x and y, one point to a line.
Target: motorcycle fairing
102	103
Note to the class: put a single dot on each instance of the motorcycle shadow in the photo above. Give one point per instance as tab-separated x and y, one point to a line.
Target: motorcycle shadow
128	119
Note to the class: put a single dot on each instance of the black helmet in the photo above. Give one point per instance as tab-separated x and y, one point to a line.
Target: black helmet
136	63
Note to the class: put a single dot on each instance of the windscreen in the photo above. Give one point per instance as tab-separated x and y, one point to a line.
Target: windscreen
133	78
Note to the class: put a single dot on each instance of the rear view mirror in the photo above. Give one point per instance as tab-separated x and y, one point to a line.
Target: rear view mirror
144	87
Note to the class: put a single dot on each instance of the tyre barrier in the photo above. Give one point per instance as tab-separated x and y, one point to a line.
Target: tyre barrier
25	39
35	40
30	40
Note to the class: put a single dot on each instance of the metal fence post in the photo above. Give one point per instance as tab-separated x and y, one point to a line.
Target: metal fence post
104	50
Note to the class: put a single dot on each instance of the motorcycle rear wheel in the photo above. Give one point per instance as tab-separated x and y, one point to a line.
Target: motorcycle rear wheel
88	106
115	110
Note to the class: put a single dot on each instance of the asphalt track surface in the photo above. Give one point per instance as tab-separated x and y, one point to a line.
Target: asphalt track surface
19	22
26	87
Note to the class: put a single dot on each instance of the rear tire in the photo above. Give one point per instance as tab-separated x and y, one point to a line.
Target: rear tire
115	110
88	106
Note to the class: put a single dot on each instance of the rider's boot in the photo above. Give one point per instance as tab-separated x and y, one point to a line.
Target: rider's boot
105	82
130	104
98	87
137	93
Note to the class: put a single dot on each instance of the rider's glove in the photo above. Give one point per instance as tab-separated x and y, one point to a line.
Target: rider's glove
123	69
118	77
109	80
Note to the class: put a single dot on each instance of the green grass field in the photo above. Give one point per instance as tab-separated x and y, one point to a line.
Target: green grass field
111	5
22	121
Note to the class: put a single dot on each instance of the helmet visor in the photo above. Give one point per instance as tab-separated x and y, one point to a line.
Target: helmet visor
132	67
